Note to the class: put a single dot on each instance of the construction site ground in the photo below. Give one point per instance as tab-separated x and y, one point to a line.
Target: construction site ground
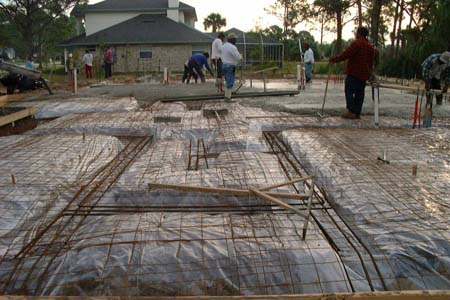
115	192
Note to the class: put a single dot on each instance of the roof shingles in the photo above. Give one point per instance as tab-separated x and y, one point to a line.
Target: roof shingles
143	29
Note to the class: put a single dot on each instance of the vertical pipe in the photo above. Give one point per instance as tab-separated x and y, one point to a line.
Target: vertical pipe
245	50
265	83
299	75
377	109
262	47
166	76
251	75
75	81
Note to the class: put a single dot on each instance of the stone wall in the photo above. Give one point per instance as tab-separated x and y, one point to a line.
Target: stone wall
171	56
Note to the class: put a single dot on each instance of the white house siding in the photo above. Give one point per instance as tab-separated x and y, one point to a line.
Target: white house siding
95	22
170	56
189	20
173	14
98	21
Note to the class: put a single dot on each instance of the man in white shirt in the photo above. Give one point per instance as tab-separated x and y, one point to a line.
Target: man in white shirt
88	59
309	63
216	58
230	59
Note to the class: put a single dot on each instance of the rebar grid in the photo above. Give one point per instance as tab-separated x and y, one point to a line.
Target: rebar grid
117	238
402	218
50	239
239	254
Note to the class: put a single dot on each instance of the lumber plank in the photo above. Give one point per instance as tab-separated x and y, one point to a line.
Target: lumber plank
222	191
18	116
271	187
12	98
278	202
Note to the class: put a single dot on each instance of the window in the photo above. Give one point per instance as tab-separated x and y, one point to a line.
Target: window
197	52
146	54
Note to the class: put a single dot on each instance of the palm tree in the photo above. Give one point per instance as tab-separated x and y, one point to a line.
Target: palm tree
216	21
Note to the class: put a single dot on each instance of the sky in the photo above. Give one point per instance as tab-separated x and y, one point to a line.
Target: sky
245	14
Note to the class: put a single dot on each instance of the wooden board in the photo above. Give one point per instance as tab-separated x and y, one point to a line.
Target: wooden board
18	116
412	295
12	98
222	191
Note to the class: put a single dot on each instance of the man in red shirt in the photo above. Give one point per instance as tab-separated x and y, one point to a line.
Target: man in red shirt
108	60
361	56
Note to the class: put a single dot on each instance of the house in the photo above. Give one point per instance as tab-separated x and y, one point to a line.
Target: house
146	35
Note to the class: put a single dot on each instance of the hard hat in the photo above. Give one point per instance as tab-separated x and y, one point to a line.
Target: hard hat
232	36
445	57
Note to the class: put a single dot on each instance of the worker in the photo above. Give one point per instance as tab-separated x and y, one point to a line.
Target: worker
70	66
361	56
88	59
187	75
108	59
216	58
309	63
196	64
230	59
29	64
434	69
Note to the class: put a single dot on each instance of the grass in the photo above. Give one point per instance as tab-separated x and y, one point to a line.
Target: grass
320	67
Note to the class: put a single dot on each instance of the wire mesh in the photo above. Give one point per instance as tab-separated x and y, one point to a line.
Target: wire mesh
78	218
402	217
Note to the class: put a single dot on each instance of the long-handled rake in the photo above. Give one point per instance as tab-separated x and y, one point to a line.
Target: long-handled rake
322	112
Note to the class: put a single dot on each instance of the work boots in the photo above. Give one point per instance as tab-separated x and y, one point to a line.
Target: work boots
351	116
228	95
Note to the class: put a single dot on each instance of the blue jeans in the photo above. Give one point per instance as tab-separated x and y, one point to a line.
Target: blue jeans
308	71
354	94
230	73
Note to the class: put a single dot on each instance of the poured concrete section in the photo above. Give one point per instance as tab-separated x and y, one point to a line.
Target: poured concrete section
49	109
393	103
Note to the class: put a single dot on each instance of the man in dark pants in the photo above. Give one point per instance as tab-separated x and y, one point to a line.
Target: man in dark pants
108	59
361	56
434	69
195	65
216	58
187	75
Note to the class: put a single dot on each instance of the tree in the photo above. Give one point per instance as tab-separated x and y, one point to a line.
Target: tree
216	21
274	31
290	12
62	28
375	21
32	17
335	9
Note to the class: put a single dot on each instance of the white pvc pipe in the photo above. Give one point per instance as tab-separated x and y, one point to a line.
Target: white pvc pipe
75	81
166	75
377	110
